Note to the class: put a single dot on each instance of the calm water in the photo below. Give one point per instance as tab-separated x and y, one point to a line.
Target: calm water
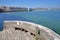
50	19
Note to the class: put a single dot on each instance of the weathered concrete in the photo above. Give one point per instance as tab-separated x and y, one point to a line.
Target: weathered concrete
22	30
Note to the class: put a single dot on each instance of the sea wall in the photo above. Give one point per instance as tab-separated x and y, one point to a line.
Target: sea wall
31	27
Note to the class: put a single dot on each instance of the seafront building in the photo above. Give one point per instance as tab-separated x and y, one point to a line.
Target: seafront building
9	9
18	9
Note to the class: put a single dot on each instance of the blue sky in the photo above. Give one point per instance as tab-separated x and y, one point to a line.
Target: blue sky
31	3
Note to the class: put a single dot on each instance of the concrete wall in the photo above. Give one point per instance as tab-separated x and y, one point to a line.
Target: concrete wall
45	33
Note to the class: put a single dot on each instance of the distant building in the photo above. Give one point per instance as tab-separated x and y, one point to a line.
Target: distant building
40	9
18	9
4	8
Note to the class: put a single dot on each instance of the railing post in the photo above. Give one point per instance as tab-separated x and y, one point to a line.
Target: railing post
37	33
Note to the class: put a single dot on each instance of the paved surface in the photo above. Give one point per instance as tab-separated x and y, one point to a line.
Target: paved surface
20	30
10	34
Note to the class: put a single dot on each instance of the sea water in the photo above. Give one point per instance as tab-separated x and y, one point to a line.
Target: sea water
50	19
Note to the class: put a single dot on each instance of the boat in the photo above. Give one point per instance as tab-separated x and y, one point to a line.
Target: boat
23	30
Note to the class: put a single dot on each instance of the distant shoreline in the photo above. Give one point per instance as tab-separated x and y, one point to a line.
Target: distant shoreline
19	9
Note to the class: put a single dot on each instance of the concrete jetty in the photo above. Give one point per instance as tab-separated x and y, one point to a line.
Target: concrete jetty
22	30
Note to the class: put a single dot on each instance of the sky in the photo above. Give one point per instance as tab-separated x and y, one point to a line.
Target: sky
31	3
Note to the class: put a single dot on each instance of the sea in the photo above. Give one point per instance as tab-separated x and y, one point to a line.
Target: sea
50	19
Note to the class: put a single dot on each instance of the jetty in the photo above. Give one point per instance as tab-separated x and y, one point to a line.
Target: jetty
22	30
